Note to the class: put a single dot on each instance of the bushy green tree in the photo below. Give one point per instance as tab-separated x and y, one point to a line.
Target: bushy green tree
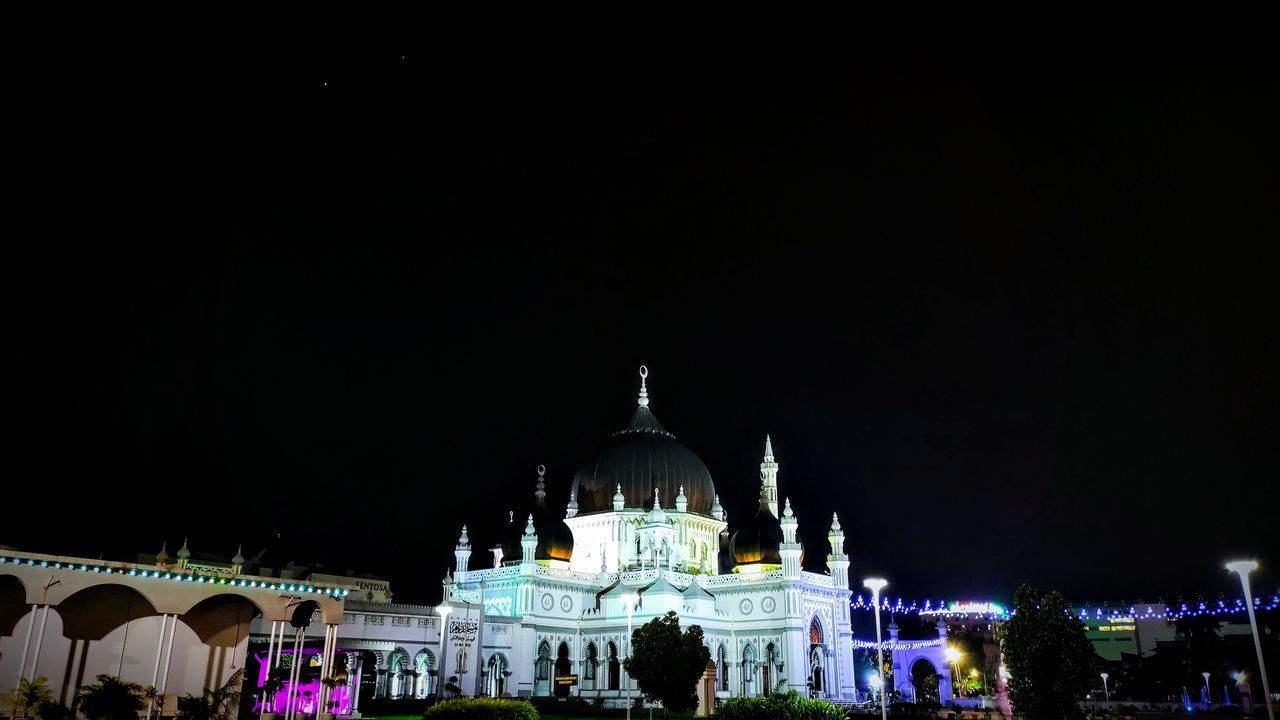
110	699
212	704
29	695
1049	657
666	663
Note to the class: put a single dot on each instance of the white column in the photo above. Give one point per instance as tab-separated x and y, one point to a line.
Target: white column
168	660
155	671
26	646
35	663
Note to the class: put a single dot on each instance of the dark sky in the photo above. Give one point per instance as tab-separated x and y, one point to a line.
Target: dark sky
1009	307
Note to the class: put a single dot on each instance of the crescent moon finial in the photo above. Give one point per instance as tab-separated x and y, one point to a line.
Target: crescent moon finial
644	391
542	470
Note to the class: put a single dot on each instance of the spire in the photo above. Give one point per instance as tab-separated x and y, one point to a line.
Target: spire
528	529
769	478
644	391
463	540
162	557
682	502
835	523
573	504
619	500
786	512
657	514
184	552
717	511
238	558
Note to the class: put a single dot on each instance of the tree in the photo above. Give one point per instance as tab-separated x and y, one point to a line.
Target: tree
29	696
1049	657
212	704
110	699
666	663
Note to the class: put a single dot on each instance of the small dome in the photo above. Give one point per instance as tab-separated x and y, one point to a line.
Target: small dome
555	539
758	542
509	541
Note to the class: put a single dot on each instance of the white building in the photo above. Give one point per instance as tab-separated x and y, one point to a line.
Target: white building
643	534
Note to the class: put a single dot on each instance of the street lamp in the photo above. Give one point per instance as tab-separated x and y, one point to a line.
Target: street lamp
630	599
876	585
953	657
1243	568
1106	693
876	684
1207	695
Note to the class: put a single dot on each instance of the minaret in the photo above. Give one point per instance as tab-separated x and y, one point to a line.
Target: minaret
837	561
790	549
717	511
162	557
619	500
237	561
446	586
769	478
528	543
573	505
682	502
462	553
184	553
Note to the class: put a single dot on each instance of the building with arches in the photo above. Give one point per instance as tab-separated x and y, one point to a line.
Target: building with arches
175	627
643	533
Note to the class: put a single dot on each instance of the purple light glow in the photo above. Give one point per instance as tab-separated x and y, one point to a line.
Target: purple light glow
308	690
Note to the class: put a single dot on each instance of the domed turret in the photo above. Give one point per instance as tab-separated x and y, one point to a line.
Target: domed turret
555	539
509	542
757	543
637	459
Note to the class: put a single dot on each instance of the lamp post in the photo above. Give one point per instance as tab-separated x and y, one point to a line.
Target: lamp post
630	599
1243	568
1208	699
876	585
1106	693
876	685
953	657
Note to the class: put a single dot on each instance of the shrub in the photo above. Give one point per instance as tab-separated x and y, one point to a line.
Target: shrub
481	708
789	706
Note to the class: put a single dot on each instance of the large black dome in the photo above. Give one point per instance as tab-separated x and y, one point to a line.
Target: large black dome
640	458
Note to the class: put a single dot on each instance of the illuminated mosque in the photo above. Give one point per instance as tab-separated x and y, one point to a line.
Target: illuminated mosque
643	534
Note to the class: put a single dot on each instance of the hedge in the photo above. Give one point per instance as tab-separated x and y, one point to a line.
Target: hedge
481	708
778	707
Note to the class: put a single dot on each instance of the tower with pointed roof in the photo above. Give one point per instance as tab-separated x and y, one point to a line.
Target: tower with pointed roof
769	477
790	550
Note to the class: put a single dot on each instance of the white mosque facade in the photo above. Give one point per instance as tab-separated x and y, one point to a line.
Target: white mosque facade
644	534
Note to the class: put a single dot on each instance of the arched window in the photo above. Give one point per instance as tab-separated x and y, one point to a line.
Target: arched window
766	672
496	675
615	668
543	666
563	666
815	632
722	668
593	659
748	669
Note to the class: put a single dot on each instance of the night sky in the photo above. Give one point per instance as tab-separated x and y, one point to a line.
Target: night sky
1009	307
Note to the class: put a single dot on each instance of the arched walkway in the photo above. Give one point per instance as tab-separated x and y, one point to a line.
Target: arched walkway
496	673
924	681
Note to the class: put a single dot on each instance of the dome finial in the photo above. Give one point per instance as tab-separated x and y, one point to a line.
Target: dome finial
541	492
656	504
644	391
768	448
